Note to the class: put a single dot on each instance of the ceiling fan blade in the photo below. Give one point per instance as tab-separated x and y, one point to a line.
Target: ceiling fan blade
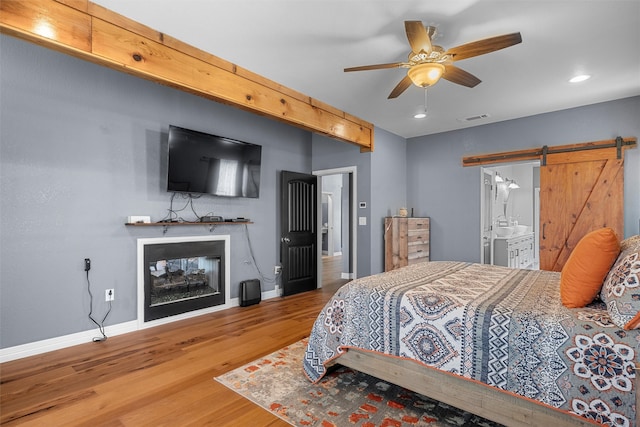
400	87
459	76
375	67
481	47
418	36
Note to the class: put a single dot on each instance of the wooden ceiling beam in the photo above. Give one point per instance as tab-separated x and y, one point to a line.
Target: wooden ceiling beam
91	32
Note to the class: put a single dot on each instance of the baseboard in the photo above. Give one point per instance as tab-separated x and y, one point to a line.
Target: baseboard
326	254
271	294
38	347
51	344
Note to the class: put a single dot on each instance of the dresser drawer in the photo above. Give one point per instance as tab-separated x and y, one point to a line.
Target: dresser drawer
418	236
418	224
418	251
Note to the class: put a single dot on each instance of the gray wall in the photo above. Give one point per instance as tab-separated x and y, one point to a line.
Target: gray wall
381	184
388	189
438	185
329	153
82	147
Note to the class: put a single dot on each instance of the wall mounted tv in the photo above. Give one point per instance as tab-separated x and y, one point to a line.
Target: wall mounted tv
208	164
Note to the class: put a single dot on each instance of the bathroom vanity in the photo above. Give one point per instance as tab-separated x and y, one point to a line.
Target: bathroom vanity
514	251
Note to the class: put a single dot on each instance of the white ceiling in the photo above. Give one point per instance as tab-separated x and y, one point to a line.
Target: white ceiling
306	44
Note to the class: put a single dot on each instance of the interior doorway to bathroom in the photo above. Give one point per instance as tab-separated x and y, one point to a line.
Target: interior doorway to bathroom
509	214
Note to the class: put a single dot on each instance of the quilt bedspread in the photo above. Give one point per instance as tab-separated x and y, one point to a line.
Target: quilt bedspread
503	327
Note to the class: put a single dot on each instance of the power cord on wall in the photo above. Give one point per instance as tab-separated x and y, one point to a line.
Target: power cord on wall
101	324
264	278
174	214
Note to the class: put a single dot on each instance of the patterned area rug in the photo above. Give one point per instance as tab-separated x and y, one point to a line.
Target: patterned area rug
342	398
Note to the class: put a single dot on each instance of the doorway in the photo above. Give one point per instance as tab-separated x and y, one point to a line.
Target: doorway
338	264
581	189
486	217
509	210
328	227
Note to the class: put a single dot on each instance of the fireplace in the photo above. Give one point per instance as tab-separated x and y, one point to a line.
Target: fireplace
181	277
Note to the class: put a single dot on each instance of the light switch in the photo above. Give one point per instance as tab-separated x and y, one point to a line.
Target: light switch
362	220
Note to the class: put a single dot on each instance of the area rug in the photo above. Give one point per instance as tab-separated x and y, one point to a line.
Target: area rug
344	397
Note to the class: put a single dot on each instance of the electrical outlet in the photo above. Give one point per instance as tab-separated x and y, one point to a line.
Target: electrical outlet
277	269
109	294
87	264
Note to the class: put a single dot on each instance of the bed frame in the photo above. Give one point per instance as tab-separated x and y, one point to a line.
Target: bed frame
470	395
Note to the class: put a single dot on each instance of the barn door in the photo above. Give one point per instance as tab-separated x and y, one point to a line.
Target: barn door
579	192
298	250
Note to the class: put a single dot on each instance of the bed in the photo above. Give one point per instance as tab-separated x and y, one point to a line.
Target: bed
494	341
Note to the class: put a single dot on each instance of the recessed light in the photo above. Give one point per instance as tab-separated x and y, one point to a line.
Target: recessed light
580	78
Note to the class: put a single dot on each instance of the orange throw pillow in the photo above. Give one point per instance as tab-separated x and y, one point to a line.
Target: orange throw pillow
585	270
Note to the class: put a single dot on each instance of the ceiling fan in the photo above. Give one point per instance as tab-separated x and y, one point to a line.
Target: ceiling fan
427	63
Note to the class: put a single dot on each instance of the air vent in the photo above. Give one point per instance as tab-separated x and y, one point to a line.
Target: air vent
474	118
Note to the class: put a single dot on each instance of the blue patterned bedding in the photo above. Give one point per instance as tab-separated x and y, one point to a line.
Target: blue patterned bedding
503	327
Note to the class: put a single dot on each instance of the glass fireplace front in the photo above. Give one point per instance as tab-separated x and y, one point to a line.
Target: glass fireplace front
183	277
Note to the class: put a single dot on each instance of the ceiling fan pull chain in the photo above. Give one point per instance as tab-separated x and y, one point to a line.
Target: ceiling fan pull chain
425	100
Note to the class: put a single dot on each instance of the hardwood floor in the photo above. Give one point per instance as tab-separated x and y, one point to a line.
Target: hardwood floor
332	271
162	376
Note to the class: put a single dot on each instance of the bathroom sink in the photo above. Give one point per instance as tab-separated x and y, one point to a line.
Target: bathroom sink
519	229
504	231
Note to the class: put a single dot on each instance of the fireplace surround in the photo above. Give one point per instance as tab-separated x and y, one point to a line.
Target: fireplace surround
182	277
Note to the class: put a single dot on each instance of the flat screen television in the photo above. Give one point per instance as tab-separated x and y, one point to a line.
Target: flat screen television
208	164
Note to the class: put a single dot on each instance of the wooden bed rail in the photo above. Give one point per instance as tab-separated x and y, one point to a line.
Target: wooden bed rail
477	398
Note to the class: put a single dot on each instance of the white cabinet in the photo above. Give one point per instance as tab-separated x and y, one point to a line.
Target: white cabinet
515	252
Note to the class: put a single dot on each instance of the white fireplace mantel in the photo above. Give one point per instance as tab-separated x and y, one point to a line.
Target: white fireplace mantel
143	270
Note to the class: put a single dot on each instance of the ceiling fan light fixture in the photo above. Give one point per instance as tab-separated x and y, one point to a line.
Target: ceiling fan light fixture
427	74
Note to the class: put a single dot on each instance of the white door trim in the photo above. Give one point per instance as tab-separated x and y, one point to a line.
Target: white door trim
353	230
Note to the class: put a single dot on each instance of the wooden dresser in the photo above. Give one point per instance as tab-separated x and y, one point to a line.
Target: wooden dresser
406	241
